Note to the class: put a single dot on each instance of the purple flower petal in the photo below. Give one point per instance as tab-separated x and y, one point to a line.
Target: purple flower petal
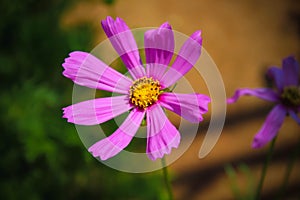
112	145
276	75
159	48
294	115
270	127
262	93
96	111
87	70
189	106
124	43
290	71
186	59
162	135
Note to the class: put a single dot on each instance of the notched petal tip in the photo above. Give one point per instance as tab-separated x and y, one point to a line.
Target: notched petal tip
65	109
107	20
103	23
74	56
67	114
112	27
100	150
165	150
107	25
87	70
197	36
119	20
72	64
78	53
166	25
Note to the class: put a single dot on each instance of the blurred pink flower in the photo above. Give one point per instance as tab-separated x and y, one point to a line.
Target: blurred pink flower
144	96
286	96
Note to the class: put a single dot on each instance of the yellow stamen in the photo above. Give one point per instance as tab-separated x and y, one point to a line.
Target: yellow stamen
144	92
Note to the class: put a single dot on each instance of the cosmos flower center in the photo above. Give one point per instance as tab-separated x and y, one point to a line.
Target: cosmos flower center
291	96
144	92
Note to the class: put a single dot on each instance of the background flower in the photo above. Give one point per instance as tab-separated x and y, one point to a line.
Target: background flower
286	97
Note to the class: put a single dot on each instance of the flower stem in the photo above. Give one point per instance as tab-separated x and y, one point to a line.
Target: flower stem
166	178
264	170
288	171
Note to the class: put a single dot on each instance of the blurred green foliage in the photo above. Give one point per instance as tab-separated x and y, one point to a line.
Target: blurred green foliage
248	191
109	2
42	156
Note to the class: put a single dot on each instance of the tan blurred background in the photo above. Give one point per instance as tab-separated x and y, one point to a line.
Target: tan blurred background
243	38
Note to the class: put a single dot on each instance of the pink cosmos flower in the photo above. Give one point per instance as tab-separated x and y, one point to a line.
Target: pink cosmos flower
145	95
286	97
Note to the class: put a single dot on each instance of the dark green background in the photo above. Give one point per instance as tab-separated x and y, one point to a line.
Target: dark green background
42	156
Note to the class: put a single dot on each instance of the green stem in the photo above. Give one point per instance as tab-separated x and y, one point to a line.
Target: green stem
166	178
264	170
288	171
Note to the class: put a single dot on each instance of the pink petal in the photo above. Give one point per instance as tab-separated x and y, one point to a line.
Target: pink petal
270	128
276	75
112	145
87	70
290	68
189	106
96	111
162	135
124	43
294	115
159	48
186	59
262	93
